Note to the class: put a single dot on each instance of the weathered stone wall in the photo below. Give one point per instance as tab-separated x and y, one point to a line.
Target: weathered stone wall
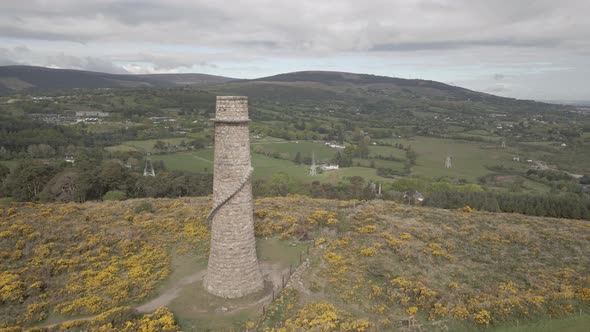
233	269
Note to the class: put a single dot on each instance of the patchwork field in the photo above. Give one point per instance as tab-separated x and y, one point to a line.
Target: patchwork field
265	167
289	149
146	145
468	158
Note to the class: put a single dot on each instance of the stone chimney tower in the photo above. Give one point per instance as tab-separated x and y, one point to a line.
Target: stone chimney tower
233	269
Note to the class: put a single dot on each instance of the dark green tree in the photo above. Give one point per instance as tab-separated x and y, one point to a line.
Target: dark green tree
29	179
297	158
4	172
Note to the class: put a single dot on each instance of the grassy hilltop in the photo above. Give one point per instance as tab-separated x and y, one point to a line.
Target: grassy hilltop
374	264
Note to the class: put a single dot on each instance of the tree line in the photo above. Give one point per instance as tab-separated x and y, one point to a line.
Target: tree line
94	176
567	205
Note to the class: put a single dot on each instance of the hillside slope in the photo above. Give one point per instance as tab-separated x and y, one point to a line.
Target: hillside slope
18	78
326	89
417	86
298	87
368	266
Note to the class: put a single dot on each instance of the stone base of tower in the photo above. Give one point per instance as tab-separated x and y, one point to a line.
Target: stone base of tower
233	270
219	288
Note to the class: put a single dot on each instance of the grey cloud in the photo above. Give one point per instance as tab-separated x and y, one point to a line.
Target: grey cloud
170	62
83	63
14	56
498	89
6	57
498	77
305	25
459	44
98	64
17	32
257	43
21	49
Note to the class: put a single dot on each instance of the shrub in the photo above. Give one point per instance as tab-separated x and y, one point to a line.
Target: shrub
115	195
145	206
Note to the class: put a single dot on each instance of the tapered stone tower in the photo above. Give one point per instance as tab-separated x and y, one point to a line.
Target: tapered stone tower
233	269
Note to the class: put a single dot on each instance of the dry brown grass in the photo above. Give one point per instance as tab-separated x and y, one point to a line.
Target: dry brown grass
375	263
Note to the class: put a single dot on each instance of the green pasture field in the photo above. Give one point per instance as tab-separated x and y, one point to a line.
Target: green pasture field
202	161
570	324
322	152
572	159
491	138
369	174
105	127
386	151
264	167
9	163
146	145
267	139
468	158
396	165
193	161
478	132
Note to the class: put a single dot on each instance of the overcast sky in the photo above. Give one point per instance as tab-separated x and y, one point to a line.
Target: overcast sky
517	48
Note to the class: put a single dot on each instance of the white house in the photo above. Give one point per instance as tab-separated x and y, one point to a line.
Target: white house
334	145
328	167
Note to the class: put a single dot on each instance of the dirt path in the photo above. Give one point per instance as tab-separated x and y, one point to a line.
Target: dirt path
65	321
204	159
171	293
271	272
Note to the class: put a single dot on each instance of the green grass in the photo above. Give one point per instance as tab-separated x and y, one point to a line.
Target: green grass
478	132
466	135
264	167
386	151
202	161
195	161
542	143
322	152
469	158
5	201
368	174
9	163
570	324
268	139
273	250
145	145
535	186
575	159
398	166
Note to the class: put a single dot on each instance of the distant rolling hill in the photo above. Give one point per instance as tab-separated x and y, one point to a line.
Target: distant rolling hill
355	89
19	78
378	85
324	86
